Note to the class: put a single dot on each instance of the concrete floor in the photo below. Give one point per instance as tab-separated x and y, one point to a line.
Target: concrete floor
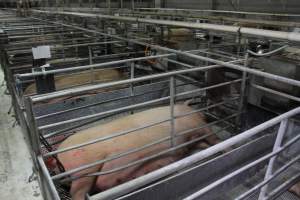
17	180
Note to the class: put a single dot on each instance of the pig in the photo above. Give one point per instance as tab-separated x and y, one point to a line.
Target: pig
102	150
179	34
71	80
295	189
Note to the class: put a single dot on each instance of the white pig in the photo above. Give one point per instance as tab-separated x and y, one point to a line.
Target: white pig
91	153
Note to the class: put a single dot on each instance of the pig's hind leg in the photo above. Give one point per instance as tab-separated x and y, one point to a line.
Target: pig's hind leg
80	187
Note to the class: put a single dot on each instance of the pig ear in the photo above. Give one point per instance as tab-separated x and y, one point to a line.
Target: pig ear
187	102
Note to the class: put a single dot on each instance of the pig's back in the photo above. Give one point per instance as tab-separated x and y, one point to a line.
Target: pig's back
134	139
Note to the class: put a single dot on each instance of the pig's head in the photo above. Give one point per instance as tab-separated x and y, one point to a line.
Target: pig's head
52	165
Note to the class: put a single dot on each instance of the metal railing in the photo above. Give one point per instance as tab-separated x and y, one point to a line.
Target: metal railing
117	191
172	98
36	130
193	159
270	174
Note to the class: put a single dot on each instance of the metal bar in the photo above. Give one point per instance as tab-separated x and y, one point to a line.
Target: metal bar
222	11
132	67
138	149
34	135
242	169
290	36
76	126
243	90
277	145
283	187
131	106
47	176
91	62
82	124
174	167
227	64
99	103
233	66
269	179
95	87
172	102
268	53
276	92
26	75
152	156
180	63
123	132
103	113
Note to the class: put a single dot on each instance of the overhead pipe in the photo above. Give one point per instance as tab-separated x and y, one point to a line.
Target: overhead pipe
281	35
223	12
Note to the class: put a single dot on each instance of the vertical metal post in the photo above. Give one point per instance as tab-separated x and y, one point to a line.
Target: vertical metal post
157	3
131	84
172	103
91	62
242	91
47	182
108	6
33	131
90	55
132	4
106	46
121	4
210	39
277	145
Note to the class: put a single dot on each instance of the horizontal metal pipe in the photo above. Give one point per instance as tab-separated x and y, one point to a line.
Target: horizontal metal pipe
56	71
152	156
78	125
227	64
104	160
107	101
234	66
85	44
134	80
276	92
208	87
102	113
193	159
134	106
268	53
242	169
222	11
33	74
283	187
101	139
137	149
124	132
290	36
180	63
95	104
274	175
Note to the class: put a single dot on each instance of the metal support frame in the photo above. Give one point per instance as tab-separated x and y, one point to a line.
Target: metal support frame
243	89
281	35
277	145
141	181
172	103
